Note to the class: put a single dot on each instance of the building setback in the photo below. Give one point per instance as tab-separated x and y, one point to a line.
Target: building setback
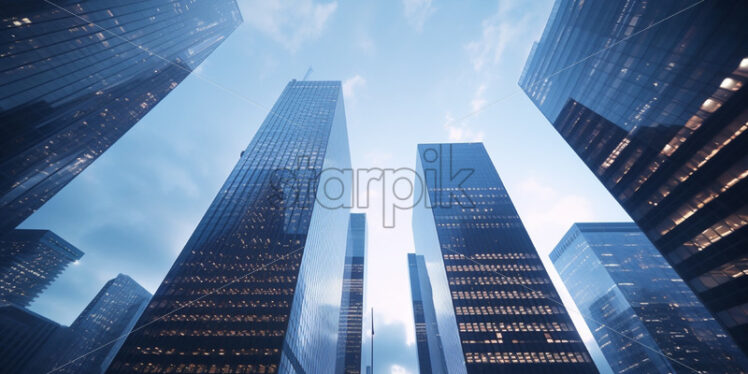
617	278
652	98
257	287
76	75
497	310
428	341
352	301
30	260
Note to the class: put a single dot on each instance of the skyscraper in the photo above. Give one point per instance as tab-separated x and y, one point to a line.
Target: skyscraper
29	261
76	75
617	278
428	341
496	308
22	334
257	287
652	98
352	301
91	342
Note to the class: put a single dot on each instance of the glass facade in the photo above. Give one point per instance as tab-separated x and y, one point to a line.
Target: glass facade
30	260
76	75
660	116
22	334
617	278
257	287
496	308
428	341
352	301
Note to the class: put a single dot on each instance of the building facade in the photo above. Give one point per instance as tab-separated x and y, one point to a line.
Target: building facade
352	302
257	287
496	308
76	75
22	334
652	98
617	278
428	341
30	260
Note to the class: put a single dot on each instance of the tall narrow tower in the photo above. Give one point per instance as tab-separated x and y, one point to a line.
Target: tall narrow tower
497	310
76	75
257	287
352	302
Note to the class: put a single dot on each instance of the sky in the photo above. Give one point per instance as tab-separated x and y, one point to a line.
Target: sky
413	71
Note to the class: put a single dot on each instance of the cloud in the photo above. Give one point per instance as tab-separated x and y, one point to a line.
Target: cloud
507	26
290	23
547	213
479	100
417	12
351	84
461	132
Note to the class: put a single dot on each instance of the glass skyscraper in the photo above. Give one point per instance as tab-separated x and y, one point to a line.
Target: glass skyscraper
617	278
652	97
428	341
90	343
76	75
30	260
352	301
257	287
496	308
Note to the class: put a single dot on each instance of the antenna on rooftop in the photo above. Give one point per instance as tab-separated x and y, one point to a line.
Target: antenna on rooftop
308	73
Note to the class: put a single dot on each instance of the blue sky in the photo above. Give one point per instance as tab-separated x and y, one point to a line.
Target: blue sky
410	68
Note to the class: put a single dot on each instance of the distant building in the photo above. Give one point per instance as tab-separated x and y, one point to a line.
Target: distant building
652	97
617	278
22	334
352	302
77	75
29	261
258	285
496	308
99	331
428	341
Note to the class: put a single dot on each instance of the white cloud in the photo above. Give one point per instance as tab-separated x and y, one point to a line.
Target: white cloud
290	23
547	213
461	132
351	84
479	100
417	12
397	369
499	31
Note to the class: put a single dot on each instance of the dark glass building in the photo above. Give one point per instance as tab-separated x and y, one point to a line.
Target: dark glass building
22	334
257	287
617	278
428	341
29	261
352	301
90	343
653	98
76	75
496	308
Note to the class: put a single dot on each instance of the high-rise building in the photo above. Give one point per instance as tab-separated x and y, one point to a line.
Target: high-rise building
617	278
653	98
22	334
257	287
76	75
496	308
29	261
90	343
352	302
428	341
